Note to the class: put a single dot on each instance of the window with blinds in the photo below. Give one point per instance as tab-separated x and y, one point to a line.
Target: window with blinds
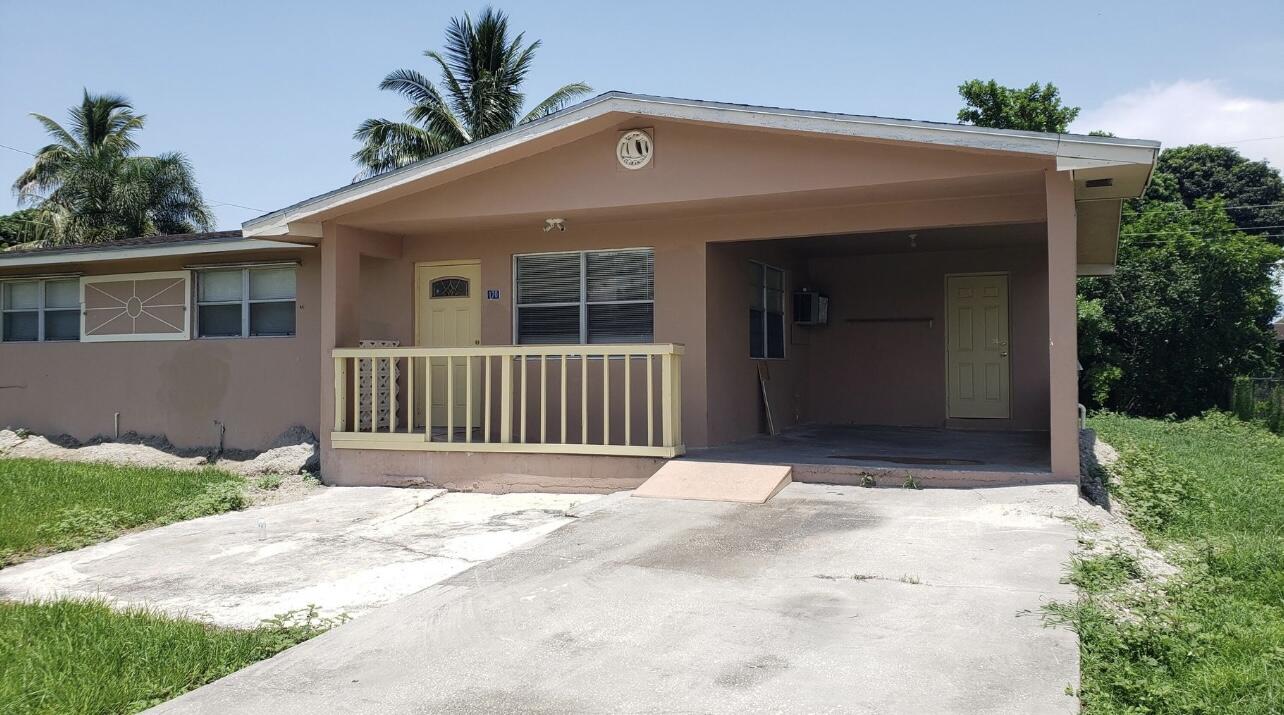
585	297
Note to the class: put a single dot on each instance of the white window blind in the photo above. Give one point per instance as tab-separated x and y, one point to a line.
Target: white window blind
585	297
40	310
246	302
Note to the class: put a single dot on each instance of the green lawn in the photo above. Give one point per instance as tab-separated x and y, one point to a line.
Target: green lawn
73	656
1209	493
82	657
50	506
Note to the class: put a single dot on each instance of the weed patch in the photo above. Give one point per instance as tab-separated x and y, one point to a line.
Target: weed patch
1209	492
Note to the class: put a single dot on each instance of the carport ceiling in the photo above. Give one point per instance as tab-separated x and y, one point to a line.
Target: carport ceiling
932	239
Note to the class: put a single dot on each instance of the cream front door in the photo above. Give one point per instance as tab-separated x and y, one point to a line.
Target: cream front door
447	315
977	355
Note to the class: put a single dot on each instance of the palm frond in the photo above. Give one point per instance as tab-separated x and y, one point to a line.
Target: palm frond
557	100
56	130
482	70
388	145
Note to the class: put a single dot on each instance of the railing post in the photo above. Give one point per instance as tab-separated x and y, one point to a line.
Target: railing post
506	399
668	434
340	393
677	400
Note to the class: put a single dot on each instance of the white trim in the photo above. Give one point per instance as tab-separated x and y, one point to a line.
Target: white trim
1095	269
1076	151
119	254
185	276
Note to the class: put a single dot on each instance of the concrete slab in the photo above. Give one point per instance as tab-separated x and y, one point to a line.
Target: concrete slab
850	454
825	599
346	550
715	481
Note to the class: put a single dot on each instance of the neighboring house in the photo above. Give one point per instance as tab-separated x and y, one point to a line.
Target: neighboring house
650	258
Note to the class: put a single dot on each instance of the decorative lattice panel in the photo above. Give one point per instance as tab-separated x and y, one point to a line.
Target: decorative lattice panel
386	376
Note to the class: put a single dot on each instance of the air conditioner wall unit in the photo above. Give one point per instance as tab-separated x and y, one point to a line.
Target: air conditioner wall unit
810	308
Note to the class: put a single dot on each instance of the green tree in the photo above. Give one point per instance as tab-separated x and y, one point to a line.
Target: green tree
1035	108
89	184
482	71
1253	190
1187	310
20	226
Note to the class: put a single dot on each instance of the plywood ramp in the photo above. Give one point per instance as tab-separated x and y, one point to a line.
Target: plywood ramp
716	481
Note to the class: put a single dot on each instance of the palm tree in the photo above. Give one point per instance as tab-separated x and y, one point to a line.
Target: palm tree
482	72
89	186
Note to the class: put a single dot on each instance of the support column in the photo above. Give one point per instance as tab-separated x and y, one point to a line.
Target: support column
340	283
1063	373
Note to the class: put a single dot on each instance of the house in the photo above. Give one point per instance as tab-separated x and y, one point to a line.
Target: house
581	298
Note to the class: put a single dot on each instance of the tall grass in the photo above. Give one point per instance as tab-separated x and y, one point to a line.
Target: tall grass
1209	492
52	506
83	657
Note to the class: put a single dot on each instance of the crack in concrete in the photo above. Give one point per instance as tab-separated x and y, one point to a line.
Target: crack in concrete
413	509
915	582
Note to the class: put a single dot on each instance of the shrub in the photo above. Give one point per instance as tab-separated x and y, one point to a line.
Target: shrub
216	499
79	526
1154	490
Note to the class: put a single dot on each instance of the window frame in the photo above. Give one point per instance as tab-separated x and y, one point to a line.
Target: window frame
41	309
583	303
245	300
766	314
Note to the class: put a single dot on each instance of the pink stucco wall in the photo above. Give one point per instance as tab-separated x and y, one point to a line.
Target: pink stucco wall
257	387
893	373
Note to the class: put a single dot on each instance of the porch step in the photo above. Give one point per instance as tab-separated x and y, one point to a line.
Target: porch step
716	481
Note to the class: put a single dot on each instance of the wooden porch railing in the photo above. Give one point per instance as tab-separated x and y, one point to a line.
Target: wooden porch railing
568	399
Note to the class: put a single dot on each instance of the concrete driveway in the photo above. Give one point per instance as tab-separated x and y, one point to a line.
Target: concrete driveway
346	550
826	599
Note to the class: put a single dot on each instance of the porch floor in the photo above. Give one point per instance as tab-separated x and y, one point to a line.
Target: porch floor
844	454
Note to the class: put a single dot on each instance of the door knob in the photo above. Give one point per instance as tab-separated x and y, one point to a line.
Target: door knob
1003	354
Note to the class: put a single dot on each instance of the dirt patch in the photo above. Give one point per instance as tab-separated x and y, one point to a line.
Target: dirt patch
279	489
294	452
122	454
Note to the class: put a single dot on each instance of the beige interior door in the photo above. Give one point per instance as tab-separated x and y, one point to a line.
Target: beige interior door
448	315
977	355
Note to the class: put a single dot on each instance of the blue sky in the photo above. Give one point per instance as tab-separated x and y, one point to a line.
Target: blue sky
263	96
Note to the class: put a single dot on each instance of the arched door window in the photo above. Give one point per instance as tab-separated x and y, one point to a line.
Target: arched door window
449	287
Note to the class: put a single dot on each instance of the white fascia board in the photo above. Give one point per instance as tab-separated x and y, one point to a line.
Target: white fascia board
1095	269
1101	151
120	254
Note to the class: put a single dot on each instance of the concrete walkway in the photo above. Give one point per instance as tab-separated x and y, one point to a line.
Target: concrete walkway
825	599
346	549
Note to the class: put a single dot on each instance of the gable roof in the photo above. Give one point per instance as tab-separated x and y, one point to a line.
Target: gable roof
1071	151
